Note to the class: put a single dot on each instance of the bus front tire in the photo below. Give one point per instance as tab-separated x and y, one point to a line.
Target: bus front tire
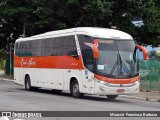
111	97
28	84
75	90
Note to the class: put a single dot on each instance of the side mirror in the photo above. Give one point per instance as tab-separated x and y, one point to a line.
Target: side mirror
145	53
94	48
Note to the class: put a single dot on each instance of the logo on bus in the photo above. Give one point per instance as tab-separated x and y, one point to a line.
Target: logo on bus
28	63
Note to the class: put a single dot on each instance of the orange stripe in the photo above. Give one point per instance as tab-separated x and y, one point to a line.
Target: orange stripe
61	62
117	81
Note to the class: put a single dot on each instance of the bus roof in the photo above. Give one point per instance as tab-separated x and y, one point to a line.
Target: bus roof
91	31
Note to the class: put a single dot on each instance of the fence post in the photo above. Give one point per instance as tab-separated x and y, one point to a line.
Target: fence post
150	75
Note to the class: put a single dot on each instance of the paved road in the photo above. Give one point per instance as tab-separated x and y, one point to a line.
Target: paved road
15	98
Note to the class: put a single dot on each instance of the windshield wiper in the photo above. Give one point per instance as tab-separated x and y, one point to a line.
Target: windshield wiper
117	64
120	65
126	68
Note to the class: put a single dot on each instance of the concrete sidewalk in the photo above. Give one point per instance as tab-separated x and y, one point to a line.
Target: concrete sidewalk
5	77
147	96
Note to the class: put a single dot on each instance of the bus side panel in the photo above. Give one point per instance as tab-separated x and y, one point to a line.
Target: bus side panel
48	78
18	76
85	80
73	73
37	77
89	82
46	75
58	78
30	72
66	80
78	74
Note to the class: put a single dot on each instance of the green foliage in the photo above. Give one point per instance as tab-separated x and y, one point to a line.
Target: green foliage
39	16
2	54
155	54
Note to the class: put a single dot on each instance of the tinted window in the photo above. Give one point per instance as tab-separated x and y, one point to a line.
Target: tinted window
67	46
59	46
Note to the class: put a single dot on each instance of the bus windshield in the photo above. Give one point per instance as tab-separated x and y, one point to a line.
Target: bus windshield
117	58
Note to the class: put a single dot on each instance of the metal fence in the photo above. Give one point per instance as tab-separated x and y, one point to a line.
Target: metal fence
150	74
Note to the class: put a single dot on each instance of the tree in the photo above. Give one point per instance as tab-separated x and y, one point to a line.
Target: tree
39	16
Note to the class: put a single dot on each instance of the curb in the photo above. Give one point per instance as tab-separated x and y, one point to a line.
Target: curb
139	98
5	79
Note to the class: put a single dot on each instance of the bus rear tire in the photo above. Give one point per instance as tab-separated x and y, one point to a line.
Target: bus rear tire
28	86
75	90
112	97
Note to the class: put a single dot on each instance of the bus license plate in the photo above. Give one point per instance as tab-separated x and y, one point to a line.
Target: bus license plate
120	91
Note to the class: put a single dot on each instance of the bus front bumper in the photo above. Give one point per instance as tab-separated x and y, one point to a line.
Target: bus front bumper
103	88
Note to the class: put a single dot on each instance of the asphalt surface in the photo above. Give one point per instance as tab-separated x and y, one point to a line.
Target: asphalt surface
15	98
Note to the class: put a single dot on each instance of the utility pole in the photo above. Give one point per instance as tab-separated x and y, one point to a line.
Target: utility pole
10	60
24	31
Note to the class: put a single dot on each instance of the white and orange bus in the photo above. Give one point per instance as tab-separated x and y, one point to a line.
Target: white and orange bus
81	60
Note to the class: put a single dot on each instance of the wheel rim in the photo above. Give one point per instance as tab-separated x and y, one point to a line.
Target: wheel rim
75	89
27	85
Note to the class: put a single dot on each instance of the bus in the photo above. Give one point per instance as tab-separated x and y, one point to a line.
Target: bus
83	60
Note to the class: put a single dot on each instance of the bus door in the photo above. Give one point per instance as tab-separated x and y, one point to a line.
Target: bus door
89	64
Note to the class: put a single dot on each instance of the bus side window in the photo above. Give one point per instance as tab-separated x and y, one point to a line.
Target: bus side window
88	59
67	46
20	49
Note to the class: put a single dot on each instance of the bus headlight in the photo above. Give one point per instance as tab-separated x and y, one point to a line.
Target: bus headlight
102	82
